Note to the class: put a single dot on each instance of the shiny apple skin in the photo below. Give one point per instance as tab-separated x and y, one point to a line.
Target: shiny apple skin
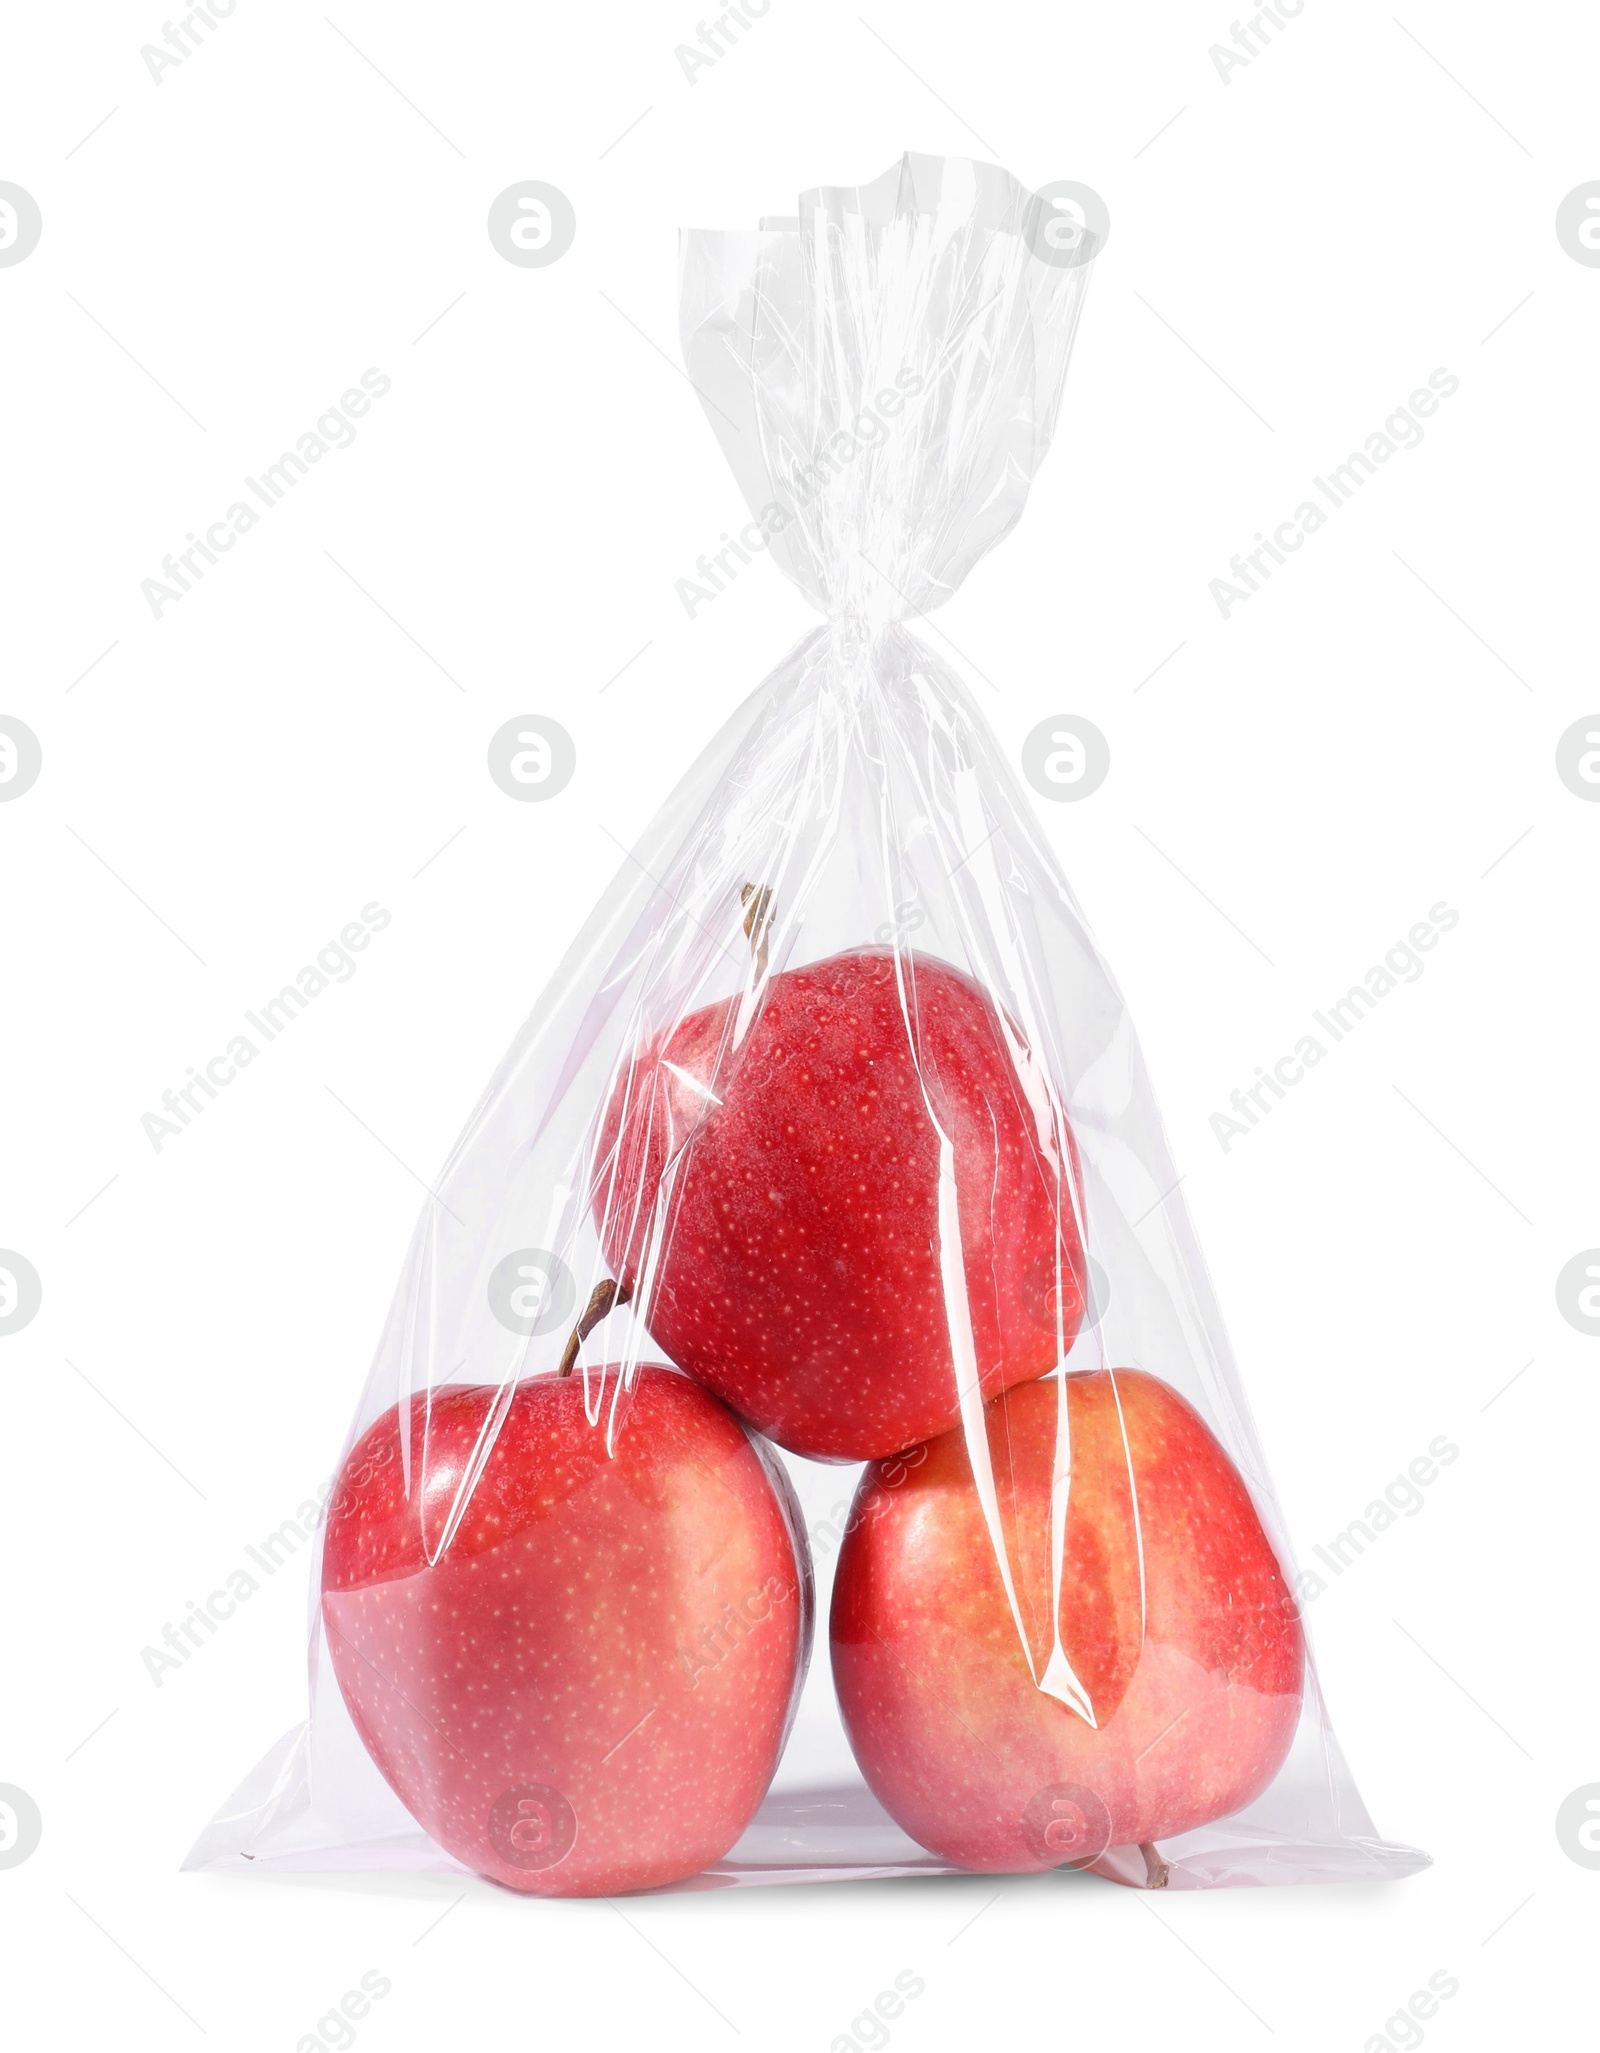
795	1268
584	1687
1194	1679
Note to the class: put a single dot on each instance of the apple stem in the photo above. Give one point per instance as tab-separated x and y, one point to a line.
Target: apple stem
601	1300
757	922
1155	1867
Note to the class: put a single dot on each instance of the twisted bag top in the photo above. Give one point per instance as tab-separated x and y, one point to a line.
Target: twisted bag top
884	373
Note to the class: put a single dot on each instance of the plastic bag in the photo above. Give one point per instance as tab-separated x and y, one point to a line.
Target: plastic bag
831	1128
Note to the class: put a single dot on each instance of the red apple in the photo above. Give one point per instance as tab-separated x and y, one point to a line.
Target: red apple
1175	1619
575	1666
777	1203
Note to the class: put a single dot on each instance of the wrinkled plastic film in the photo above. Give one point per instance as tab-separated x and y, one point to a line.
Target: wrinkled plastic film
884	377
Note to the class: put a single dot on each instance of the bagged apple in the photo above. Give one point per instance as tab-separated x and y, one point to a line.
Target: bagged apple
820	1224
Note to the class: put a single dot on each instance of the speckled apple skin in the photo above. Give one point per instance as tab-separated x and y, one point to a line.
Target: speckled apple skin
580	1594
798	1270
1194	1714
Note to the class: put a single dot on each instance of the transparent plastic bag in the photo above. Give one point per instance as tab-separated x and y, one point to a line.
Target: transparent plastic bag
832	1128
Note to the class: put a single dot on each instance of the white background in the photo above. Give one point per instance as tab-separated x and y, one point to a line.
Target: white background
228	785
